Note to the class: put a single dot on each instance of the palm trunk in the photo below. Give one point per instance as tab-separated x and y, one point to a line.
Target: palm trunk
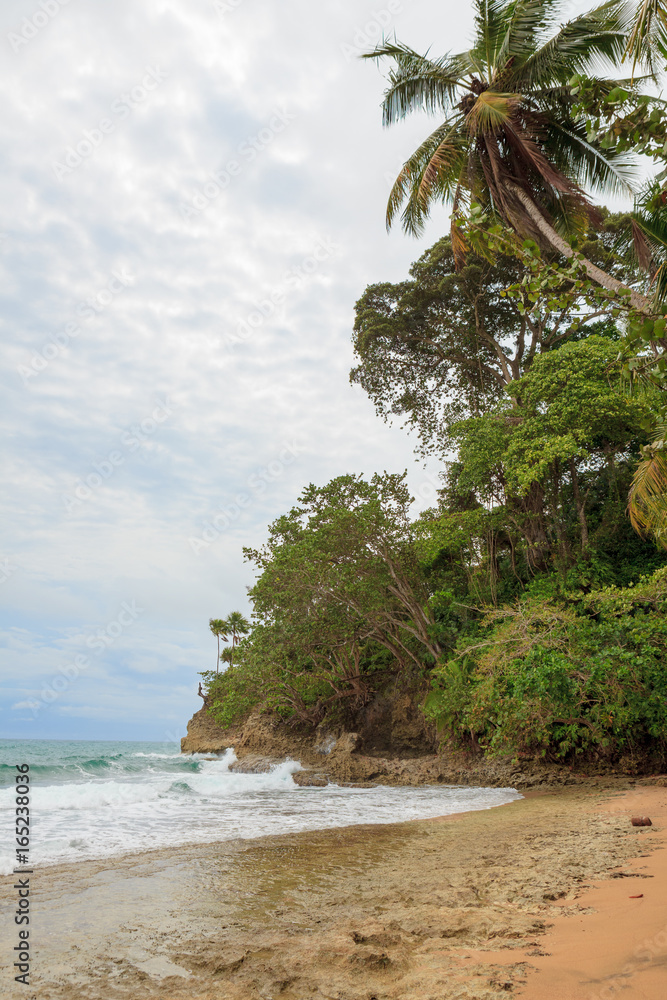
637	300
217	662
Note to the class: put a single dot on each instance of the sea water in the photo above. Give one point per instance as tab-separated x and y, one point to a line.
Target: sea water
98	799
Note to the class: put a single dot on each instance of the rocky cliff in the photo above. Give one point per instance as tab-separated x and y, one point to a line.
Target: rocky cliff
400	752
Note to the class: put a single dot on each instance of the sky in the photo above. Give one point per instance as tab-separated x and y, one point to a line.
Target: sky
193	199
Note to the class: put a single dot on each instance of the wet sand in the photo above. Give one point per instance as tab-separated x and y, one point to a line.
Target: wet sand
516	899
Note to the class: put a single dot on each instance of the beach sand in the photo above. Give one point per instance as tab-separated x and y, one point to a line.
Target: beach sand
513	900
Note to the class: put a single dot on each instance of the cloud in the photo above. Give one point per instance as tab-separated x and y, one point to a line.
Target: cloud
223	316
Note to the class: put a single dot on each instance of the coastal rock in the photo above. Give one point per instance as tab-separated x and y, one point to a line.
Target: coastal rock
325	742
255	764
394	754
204	735
348	743
309	779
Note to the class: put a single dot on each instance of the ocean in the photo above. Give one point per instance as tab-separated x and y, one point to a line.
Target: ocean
98	799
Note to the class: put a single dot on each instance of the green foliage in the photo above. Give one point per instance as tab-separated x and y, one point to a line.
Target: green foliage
446	344
562	678
621	118
340	599
508	122
233	694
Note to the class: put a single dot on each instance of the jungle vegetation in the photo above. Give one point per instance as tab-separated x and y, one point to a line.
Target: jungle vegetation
526	349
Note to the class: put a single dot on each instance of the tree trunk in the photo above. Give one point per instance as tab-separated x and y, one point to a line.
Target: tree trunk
595	273
581	513
530	521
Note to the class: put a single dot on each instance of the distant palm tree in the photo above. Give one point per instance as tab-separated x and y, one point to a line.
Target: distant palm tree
218	627
227	655
238	626
509	140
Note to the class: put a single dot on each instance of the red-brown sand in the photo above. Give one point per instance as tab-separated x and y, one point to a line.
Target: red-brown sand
620	947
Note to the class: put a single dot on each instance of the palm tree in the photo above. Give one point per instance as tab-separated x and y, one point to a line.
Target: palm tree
647	505
227	655
218	627
509	141
238	626
648	33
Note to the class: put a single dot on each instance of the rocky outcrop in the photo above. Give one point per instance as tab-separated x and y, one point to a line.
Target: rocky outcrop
204	735
263	741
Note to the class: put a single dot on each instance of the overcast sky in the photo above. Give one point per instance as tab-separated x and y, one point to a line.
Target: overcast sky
192	200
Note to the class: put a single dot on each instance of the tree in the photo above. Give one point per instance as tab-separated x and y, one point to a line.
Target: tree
340	595
445	344
237	625
510	141
227	655
219	629
530	473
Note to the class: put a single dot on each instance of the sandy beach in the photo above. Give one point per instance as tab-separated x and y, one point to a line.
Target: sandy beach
536	898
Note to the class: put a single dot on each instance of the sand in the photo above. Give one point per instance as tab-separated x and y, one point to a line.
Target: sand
621	947
514	900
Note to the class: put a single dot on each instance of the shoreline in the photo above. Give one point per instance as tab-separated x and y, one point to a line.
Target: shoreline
449	907
313	821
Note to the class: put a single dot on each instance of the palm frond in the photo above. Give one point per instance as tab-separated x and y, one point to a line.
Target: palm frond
579	47
417	83
648	33
491	111
526	23
491	25
603	172
647	502
434	169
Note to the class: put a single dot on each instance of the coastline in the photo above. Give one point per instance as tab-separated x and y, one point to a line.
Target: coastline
470	905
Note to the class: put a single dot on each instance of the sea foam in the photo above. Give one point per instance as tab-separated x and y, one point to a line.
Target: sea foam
86	804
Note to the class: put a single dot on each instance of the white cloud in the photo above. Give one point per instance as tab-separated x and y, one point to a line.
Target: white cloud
166	334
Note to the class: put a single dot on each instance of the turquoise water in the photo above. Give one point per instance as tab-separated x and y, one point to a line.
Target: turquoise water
102	799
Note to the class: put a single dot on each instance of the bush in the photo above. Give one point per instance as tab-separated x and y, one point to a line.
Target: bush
561	678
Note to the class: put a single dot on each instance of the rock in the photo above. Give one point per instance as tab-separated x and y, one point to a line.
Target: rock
641	821
409	728
255	763
204	735
347	743
326	744
307	779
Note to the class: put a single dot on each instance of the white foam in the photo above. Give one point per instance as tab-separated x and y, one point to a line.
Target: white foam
109	815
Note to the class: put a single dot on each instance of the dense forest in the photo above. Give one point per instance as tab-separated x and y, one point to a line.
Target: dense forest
525	612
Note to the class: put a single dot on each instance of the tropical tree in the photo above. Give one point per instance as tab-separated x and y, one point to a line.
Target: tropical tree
227	655
510	141
236	625
219	629
445	344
